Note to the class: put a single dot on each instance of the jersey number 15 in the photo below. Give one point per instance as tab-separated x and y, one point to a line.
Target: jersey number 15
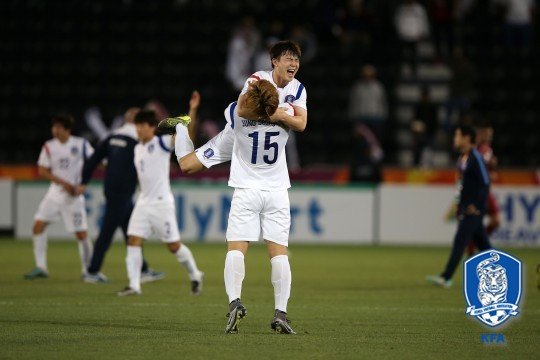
268	145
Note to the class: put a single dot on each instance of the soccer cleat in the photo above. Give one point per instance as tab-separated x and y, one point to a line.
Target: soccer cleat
151	276
237	312
197	285
97	278
128	292
281	324
36	273
439	281
167	126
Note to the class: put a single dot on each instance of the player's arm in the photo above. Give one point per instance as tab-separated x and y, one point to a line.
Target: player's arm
91	164
296	122
194	103
46	173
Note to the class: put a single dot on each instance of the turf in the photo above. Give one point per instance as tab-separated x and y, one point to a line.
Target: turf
347	302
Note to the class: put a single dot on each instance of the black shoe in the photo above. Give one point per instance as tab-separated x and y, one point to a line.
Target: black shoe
237	312
197	285
281	324
168	126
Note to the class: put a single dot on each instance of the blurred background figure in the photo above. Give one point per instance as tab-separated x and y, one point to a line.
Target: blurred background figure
424	128
412	26
242	48
443	14
367	102
367	156
518	30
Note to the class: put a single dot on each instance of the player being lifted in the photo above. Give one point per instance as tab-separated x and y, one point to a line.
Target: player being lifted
61	161
258	173
154	210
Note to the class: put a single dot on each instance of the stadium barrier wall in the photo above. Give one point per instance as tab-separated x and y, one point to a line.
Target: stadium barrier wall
418	214
389	214
320	214
6	204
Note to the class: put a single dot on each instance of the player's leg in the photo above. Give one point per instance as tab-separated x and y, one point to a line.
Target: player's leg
133	266
164	223
244	225
74	216
276	223
47	211
465	233
139	228
39	241
126	214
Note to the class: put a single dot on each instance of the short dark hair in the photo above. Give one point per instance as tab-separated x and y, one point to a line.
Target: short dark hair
283	47
65	120
467	130
146	116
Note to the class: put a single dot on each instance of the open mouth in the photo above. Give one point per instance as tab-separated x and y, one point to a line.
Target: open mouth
291	72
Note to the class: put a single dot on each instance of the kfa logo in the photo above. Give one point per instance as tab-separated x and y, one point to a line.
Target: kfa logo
208	153
289	99
492	286
150	148
74	150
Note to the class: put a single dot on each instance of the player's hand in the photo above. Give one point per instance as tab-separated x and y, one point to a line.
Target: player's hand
195	100
80	189
279	115
70	189
472	210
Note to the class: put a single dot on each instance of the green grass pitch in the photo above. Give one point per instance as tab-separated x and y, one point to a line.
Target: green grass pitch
347	302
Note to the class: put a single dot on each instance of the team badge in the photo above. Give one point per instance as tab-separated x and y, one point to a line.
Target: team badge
74	150
289	99
492	286
150	148
208	153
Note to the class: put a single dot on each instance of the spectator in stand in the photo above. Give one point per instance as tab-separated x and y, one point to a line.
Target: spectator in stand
367	102
443	13
412	26
462	86
354	27
301	35
368	156
424	128
518	25
241	52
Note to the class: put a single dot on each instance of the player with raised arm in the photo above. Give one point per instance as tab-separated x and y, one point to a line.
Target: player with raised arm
154	210
61	161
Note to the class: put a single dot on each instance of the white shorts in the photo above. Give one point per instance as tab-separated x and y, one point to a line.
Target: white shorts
71	208
253	210
154	219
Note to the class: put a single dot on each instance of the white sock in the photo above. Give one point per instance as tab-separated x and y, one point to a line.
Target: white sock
234	274
85	253
40	250
185	257
182	142
281	280
133	264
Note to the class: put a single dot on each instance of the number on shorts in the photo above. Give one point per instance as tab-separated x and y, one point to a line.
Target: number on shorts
167	228
64	163
77	219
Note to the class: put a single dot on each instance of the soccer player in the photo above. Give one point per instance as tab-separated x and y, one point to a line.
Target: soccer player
473	193
154	210
119	186
258	174
61	161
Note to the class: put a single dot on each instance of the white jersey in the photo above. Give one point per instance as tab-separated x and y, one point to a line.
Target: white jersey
153	160
258	154
293	93
66	161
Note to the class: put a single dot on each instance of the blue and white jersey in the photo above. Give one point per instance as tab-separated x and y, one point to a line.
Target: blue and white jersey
293	93
152	161
258	154
65	160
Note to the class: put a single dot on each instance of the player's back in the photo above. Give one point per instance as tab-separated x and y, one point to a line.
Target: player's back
152	161
258	157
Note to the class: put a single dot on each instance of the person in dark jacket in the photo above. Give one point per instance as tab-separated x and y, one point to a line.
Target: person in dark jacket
473	189
119	186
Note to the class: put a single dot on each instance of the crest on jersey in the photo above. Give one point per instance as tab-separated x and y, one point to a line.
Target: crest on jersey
492	286
74	150
289	99
208	153
150	148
